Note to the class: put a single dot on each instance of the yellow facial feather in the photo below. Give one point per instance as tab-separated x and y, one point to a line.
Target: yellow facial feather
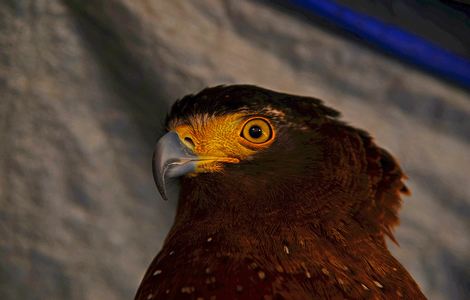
223	139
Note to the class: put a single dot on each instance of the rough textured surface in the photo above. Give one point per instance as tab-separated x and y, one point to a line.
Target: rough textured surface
84	85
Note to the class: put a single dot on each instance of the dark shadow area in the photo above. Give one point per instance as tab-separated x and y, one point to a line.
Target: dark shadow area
453	35
439	22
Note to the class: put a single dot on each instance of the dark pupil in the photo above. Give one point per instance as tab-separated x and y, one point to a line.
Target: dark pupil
255	132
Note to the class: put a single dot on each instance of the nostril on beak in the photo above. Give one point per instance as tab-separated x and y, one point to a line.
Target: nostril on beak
189	142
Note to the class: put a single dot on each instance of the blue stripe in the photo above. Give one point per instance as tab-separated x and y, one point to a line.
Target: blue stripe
393	40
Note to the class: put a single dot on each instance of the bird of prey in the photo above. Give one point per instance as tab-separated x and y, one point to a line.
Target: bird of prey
279	199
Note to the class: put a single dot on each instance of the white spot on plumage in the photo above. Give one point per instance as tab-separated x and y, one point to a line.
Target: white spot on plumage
286	249
188	289
378	284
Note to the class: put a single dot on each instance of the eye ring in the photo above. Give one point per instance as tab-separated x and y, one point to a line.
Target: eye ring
257	131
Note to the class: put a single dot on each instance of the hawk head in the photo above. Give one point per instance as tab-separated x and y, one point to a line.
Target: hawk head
251	155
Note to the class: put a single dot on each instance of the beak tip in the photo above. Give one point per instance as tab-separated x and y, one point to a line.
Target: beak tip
170	159
159	180
164	197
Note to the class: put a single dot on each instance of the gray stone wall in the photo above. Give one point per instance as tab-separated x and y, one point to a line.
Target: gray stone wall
84	86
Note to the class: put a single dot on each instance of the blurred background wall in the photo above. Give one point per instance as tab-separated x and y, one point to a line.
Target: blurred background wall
84	87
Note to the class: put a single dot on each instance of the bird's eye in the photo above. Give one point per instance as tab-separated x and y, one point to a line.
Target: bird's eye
257	131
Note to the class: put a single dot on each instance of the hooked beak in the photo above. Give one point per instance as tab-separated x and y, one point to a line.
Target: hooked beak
171	159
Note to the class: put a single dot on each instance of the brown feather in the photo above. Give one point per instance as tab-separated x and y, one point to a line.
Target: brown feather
304	219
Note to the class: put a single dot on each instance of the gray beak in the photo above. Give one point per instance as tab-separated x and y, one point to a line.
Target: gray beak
171	159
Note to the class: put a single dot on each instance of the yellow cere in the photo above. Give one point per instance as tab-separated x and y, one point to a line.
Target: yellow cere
224	139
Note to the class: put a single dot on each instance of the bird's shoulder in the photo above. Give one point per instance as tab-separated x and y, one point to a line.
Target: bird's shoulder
304	269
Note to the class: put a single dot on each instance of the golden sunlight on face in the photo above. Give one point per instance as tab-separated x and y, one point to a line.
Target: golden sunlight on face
224	139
